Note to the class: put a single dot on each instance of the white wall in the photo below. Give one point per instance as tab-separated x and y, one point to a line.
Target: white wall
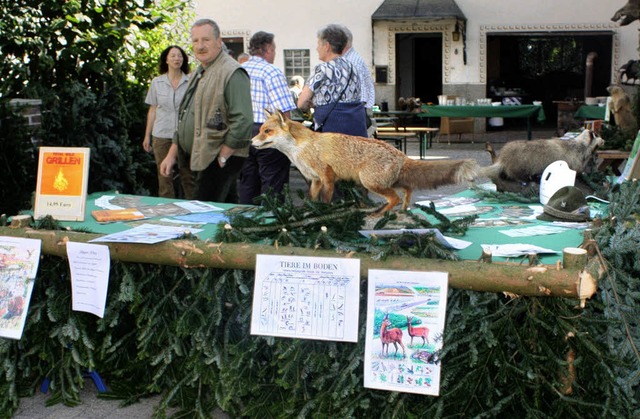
295	25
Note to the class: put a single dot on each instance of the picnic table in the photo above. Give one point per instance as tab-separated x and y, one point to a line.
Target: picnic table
482	111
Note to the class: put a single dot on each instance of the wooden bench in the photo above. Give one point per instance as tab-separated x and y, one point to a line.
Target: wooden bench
424	135
611	158
399	138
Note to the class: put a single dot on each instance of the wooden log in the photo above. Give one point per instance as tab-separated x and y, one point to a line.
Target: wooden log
504	277
574	257
20	221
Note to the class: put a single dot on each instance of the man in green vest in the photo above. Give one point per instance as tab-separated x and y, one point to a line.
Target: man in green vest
215	118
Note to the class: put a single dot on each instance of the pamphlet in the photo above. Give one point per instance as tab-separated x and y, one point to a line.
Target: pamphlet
109	216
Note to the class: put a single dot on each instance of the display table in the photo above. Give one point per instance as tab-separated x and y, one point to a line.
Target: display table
181	330
513	111
477	235
492	235
613	159
591	112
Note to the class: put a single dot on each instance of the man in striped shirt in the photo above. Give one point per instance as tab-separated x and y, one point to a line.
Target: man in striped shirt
367	89
267	168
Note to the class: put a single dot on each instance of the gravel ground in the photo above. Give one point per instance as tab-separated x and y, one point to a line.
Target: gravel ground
94	408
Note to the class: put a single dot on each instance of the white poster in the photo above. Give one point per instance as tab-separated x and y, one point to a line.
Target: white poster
306	297
405	324
19	260
89	265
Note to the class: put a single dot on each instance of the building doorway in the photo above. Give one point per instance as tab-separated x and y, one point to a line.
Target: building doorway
419	66
235	45
546	67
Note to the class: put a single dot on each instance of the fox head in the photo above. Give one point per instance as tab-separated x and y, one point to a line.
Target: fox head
281	133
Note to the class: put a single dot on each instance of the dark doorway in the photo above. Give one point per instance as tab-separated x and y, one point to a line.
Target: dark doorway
547	67
419	66
235	45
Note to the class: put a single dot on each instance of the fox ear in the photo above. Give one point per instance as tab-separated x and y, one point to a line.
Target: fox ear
281	116
267	112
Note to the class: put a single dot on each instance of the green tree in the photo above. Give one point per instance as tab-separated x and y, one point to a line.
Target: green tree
90	62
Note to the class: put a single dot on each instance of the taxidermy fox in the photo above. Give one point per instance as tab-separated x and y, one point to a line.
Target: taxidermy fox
324	158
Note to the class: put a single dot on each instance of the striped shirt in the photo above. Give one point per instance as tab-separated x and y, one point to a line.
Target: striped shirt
269	88
367	89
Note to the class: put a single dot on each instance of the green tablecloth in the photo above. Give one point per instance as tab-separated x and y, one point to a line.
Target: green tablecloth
591	112
502	111
572	237
92	226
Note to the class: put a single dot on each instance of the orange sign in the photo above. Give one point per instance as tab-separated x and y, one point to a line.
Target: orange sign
61	191
62	173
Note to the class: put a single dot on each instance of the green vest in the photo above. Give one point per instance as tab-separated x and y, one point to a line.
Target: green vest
204	115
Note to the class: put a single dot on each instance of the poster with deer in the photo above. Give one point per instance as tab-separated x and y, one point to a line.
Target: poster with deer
405	324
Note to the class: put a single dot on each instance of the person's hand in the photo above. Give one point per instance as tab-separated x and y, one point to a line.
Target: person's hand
166	167
146	143
225	153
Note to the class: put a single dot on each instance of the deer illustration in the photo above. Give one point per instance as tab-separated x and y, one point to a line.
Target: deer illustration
421	332
390	336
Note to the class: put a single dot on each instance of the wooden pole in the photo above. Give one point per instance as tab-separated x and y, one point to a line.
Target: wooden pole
511	278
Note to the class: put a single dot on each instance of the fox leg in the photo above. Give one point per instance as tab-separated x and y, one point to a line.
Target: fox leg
328	184
390	195
314	189
407	198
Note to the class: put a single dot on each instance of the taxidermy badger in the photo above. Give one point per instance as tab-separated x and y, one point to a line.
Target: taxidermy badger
524	161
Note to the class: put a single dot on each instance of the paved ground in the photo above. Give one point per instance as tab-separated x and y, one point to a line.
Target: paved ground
95	408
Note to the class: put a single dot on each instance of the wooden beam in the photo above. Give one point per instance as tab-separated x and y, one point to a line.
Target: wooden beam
508	278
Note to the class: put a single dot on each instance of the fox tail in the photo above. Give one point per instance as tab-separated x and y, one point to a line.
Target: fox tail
429	174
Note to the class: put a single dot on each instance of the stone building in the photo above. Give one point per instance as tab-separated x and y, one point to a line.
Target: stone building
505	49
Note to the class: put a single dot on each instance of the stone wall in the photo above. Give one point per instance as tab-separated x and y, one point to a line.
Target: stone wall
31	111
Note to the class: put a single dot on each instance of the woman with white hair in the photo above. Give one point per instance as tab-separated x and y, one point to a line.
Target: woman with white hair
333	90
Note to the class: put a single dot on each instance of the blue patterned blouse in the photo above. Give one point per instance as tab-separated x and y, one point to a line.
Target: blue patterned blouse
329	80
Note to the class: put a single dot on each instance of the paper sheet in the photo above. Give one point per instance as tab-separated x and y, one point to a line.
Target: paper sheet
89	265
514	250
146	233
306	297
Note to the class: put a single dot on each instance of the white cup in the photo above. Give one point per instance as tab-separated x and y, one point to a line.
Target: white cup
537	103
